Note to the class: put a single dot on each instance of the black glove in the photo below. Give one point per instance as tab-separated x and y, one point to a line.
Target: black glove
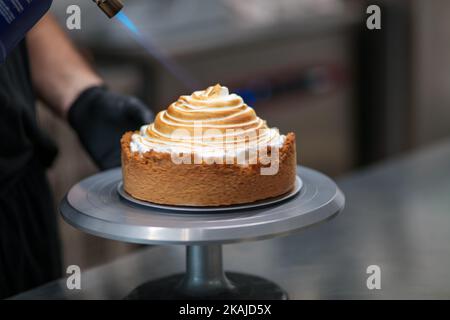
101	117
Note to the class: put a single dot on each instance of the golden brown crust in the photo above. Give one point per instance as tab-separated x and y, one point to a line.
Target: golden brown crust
154	177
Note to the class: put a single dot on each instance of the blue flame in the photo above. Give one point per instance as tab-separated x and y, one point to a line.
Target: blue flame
172	66
127	23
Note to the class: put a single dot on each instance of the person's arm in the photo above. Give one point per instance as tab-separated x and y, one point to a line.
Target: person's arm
59	73
66	83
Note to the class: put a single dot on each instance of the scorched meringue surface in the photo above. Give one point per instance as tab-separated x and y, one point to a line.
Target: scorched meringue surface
212	122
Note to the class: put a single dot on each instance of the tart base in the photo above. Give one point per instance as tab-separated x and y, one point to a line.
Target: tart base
154	177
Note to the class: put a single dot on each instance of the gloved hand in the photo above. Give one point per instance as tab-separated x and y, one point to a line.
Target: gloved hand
100	118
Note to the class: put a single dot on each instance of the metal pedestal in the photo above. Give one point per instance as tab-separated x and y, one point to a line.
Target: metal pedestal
206	279
94	206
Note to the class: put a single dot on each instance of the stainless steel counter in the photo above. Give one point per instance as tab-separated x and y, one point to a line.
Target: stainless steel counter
397	217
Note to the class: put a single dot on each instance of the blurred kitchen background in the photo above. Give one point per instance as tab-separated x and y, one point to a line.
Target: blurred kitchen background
353	96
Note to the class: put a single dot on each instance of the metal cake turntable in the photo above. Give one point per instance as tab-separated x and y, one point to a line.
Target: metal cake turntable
262	203
98	205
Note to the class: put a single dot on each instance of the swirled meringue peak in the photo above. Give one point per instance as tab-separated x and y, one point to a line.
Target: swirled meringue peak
212	123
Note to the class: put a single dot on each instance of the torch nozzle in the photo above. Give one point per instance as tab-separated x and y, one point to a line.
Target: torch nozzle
109	7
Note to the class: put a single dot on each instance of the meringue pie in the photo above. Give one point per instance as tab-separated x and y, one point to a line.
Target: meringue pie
208	149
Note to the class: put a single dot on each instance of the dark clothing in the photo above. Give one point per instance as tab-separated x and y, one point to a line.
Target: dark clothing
29	244
20	137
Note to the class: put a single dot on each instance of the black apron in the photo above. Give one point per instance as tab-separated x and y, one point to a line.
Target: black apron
29	243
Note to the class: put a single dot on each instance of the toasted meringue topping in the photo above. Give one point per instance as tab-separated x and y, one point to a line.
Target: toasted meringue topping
211	121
